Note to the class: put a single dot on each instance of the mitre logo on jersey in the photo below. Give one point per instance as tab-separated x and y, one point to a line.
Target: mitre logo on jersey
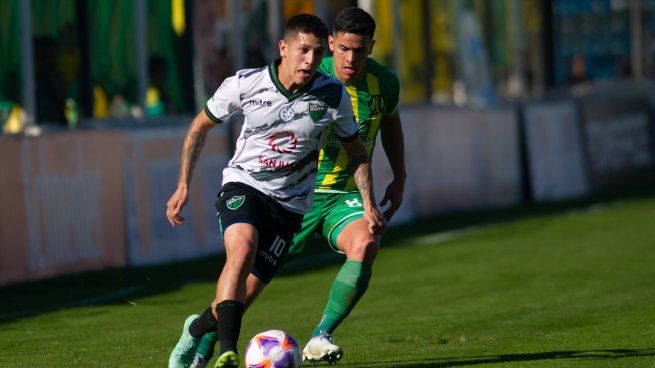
376	104
287	114
257	102
316	110
235	202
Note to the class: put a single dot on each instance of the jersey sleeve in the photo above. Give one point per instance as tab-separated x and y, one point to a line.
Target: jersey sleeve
225	100
392	94
345	126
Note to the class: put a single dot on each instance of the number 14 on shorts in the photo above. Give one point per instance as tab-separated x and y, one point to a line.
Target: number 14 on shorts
353	202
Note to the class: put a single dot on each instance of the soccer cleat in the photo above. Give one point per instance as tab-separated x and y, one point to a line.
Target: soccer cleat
185	350
321	348
228	359
199	362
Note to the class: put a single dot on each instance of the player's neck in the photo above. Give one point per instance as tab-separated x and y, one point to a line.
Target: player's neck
286	78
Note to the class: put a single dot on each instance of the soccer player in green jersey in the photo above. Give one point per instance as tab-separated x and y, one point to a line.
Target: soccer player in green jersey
337	210
337	207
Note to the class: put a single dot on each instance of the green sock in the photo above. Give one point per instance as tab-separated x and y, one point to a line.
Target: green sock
348	287
206	347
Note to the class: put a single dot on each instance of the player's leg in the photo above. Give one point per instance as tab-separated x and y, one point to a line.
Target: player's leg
240	247
277	226
360	247
205	351
348	232
240	211
311	222
254	286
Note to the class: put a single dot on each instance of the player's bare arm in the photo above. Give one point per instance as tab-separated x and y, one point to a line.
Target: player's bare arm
363	176
193	144
391	134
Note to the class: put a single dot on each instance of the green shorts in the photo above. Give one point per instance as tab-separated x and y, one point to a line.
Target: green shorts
330	213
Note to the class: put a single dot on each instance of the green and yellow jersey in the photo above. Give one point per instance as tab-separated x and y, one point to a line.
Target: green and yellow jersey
373	97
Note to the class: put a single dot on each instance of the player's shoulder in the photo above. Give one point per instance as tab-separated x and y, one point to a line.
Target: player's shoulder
384	73
251	73
327	89
324	79
250	80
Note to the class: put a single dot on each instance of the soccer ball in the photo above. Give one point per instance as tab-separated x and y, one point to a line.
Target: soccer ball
273	349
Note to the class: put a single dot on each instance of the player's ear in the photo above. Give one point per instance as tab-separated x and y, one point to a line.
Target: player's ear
331	42
283	48
370	49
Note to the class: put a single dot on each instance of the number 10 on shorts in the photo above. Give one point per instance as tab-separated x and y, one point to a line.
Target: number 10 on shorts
278	246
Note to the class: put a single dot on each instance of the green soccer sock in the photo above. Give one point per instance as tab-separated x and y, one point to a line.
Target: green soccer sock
206	347
348	287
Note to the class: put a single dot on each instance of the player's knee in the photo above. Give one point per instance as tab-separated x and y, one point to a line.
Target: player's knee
242	253
363	249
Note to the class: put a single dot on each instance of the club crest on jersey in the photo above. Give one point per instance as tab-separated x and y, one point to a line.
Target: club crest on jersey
287	114
235	202
376	104
316	110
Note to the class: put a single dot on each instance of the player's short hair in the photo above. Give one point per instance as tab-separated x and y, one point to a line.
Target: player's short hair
305	23
354	20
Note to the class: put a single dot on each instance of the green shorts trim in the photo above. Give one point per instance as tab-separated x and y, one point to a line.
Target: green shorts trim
334	232
329	215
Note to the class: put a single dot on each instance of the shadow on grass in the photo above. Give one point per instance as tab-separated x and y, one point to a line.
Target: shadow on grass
509	358
125	285
121	286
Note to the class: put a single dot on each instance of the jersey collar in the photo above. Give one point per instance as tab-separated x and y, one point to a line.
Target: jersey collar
276	81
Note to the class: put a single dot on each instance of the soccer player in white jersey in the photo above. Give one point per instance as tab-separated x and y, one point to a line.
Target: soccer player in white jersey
268	184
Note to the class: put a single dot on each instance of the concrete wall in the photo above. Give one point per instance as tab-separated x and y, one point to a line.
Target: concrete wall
85	200
62	205
150	177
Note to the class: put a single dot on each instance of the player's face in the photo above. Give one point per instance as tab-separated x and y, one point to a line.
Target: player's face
301	57
350	52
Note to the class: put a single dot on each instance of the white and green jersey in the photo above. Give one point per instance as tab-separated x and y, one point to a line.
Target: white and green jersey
277	150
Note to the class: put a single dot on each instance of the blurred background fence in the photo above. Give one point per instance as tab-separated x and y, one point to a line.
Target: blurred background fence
504	103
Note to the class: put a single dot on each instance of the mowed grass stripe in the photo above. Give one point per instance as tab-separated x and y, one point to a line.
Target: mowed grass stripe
568	289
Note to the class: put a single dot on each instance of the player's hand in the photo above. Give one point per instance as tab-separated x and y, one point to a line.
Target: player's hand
175	205
376	222
394	195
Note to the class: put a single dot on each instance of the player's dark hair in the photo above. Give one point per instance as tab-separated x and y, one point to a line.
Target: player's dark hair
356	21
305	23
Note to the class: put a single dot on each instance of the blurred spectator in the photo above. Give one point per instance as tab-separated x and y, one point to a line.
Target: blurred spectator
100	101
119	108
578	69
158	101
50	85
69	59
12	117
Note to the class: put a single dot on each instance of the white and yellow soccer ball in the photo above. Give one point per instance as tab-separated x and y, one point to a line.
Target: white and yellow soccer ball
273	349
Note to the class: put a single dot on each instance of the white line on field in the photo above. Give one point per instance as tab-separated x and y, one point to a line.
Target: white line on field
444	236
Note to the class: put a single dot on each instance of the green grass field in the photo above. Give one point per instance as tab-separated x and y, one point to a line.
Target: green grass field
558	287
